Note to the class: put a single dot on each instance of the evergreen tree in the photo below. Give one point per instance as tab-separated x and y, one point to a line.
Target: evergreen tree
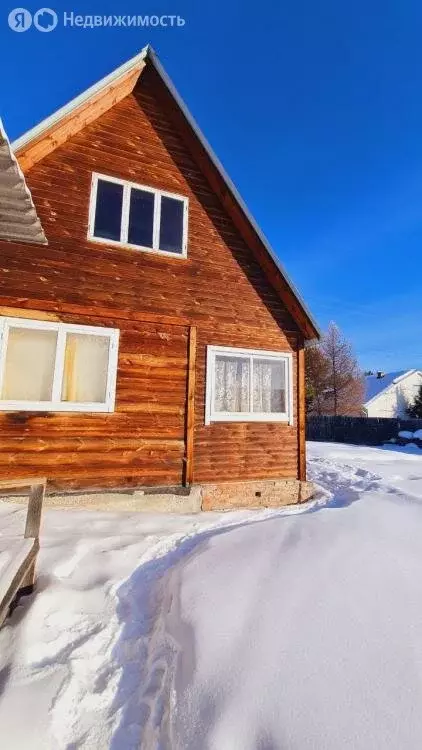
415	410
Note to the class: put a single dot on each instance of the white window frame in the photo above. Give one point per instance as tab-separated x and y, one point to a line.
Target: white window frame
249	354
124	227
62	329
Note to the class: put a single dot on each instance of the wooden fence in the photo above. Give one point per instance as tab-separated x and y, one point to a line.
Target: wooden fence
357	430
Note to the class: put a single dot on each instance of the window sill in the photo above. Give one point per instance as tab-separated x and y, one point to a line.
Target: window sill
47	406
138	248
252	418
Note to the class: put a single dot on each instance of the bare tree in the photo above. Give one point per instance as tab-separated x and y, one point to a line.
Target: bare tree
317	372
345	386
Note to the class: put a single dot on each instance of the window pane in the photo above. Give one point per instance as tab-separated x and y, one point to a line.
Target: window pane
29	366
85	368
231	384
269	386
141	218
171	225
108	213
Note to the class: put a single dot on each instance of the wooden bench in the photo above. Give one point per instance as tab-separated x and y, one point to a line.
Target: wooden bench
18	554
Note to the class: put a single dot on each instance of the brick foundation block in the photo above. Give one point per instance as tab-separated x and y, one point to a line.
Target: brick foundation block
255	494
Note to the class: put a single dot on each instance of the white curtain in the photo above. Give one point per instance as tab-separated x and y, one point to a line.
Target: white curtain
231	384
269	394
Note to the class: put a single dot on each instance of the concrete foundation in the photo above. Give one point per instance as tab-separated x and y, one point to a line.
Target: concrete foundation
136	501
223	496
265	494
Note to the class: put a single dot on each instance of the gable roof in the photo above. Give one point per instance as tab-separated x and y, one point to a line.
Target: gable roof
375	386
99	98
18	218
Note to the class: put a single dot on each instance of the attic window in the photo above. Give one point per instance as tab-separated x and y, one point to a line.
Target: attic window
57	366
136	216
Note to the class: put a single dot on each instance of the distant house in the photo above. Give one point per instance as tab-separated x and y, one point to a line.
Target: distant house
388	394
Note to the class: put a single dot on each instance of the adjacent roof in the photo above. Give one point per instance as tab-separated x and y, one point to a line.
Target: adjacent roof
36	143
18	217
375	386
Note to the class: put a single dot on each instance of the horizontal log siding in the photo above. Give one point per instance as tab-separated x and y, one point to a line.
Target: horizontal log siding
220	288
141	443
243	450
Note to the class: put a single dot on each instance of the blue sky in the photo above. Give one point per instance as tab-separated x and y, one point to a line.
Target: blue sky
314	108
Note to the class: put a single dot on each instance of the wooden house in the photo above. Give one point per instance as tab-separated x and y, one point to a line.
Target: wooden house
149	335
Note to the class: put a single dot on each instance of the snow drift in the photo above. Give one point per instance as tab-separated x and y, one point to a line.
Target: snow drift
258	631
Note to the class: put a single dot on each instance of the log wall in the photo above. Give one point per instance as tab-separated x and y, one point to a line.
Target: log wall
220	289
141	443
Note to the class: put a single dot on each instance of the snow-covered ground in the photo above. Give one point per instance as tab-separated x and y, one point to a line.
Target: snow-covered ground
392	467
272	630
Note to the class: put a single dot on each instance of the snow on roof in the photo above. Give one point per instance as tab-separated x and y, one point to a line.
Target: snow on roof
374	385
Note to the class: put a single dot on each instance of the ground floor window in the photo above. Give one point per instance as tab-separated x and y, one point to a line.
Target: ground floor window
246	385
46	366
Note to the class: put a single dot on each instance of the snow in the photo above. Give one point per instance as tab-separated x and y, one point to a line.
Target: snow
406	434
72	654
297	628
392	468
418	434
306	630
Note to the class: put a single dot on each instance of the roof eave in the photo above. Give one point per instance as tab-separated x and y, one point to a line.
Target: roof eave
96	88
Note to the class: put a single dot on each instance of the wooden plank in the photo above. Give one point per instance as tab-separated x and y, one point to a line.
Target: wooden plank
10	484
21	312
33	518
87	443
28	581
24	577
24	566
301	406
44	307
190	408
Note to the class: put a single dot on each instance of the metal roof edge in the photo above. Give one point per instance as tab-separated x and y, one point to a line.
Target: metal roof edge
51	120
